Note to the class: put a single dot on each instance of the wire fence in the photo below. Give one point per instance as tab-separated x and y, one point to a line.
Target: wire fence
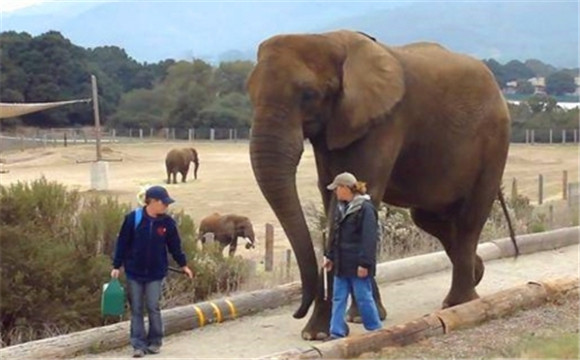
24	138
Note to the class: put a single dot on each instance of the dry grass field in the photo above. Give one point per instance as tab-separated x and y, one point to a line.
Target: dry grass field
225	181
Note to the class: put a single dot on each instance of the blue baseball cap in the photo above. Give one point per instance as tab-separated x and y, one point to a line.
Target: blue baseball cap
159	193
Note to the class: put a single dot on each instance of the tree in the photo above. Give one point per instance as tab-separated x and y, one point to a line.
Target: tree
231	76
230	111
142	108
539	68
560	83
515	70
498	71
524	87
542	103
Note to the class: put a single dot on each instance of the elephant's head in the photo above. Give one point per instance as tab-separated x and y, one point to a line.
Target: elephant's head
328	88
245	229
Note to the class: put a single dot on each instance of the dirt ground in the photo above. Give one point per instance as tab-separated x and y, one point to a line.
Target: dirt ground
509	337
225	180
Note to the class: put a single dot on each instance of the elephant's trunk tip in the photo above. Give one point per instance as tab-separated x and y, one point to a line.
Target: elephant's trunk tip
307	300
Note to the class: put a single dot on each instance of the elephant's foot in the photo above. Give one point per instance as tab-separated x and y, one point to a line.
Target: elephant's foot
454	298
318	327
479	270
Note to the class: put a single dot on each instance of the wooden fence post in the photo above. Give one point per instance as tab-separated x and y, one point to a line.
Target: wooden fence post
527	136
514	189
141	134
540	189
533	137
550	135
564	184
212	134
130	132
269	262
575	136
564	136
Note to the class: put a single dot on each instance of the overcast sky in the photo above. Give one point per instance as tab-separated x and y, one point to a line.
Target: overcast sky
11	5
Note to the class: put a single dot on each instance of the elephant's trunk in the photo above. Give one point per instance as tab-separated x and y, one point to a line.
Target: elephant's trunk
274	160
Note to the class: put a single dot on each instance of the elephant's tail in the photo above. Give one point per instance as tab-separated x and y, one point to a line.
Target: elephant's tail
507	216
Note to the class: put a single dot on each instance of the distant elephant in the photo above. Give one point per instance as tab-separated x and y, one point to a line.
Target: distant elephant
425	128
178	160
227	229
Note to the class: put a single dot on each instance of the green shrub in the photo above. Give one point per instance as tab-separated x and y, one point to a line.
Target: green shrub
56	254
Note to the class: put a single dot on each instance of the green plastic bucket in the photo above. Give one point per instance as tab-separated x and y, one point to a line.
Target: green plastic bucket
113	299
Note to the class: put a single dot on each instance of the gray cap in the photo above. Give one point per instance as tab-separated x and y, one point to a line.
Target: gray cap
344	179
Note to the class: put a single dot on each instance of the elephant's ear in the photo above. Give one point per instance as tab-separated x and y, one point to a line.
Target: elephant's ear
372	84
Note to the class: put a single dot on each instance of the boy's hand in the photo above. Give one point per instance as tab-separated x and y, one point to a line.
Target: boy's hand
115	273
187	272
327	264
362	272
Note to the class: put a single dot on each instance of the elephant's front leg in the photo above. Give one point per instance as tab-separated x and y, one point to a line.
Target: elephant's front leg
233	246
353	314
318	326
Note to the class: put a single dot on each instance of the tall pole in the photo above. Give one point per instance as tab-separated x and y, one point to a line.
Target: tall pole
97	120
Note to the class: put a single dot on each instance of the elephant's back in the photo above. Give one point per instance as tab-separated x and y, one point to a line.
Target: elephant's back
174	157
209	223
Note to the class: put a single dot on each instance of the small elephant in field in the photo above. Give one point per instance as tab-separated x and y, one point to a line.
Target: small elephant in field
178	160
227	229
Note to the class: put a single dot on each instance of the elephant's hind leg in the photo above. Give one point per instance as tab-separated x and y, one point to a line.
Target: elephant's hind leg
460	246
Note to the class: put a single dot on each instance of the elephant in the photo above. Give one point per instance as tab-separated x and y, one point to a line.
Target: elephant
178	160
227	229
426	128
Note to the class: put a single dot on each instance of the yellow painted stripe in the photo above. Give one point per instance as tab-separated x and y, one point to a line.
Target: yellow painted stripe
217	312
199	316
232	308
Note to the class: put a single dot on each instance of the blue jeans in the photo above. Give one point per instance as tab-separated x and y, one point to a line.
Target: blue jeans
143	294
363	295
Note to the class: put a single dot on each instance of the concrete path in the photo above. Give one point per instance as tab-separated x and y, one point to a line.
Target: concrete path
275	330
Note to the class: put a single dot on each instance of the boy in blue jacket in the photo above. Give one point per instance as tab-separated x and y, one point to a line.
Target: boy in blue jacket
141	248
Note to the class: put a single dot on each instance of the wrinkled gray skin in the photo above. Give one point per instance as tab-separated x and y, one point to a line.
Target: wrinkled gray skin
425	128
178	160
227	229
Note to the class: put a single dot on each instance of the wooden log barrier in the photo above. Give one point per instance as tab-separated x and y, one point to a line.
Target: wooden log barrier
175	320
497	305
410	267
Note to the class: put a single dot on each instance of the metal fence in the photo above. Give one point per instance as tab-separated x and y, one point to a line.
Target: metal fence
23	138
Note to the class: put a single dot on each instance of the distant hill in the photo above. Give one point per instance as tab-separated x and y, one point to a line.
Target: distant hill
216	31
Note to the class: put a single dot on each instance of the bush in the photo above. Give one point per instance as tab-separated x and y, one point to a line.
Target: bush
56	255
52	267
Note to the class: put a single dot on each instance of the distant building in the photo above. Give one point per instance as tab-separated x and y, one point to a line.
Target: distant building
539	85
510	88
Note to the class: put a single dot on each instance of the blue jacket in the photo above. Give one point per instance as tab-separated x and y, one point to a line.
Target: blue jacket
355	239
142	251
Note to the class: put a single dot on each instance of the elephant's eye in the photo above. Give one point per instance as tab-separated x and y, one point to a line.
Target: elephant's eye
308	95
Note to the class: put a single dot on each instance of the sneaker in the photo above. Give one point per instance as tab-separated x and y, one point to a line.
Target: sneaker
153	349
138	353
